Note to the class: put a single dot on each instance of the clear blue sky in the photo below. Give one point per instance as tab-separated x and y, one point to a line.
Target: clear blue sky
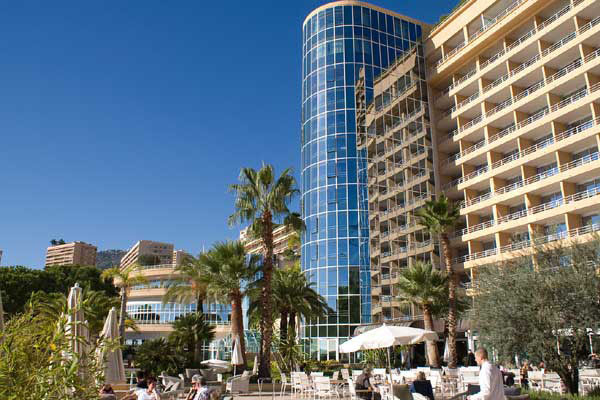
126	120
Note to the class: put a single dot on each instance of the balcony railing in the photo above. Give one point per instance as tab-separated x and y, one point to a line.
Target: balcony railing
540	114
544	24
576	64
484	28
391	98
535	178
529	242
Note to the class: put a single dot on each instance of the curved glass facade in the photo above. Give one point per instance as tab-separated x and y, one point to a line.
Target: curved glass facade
338	41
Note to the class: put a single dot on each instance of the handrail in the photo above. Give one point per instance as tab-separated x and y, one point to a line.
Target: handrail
392	98
529	242
535	178
484	28
544	24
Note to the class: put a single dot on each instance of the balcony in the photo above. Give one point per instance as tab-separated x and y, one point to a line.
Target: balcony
501	15
565	70
573	233
533	179
517	43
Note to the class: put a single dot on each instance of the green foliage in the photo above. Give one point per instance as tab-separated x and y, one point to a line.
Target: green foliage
524	310
376	358
37	361
107	258
438	215
423	286
18	283
543	395
188	331
290	352
158	355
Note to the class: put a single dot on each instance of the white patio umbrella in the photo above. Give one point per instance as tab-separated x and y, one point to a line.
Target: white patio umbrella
76	326
219	366
255	366
114	371
387	336
446	357
237	358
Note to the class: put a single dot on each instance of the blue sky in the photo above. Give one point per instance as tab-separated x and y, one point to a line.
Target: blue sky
126	120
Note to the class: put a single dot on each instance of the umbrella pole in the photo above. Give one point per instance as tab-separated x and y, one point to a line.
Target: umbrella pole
389	357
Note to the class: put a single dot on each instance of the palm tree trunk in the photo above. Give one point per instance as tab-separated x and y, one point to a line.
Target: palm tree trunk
283	325
451	300
266	322
123	315
198	343
292	323
237	324
432	352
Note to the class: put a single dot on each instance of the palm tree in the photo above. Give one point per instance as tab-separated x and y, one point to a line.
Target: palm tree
438	217
191	330
125	278
295	297
424	287
260	199
228	272
188	285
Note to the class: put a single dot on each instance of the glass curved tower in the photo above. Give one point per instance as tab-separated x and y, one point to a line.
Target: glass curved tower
339	40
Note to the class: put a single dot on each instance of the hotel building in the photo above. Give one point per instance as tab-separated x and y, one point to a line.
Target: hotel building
74	253
281	237
497	106
145	306
516	120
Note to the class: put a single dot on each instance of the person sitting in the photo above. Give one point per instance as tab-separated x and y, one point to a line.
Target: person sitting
525	374
141	380
199	389
363	386
107	392
150	393
422	386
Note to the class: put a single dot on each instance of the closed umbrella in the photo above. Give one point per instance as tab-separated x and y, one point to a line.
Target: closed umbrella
387	336
76	329
255	367
114	371
237	358
446	357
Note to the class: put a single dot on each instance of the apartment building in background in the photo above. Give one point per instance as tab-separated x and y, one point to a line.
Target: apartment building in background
516	116
157	262
74	253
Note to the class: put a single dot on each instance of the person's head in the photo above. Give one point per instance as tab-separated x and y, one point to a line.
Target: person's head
140	376
151	381
198	381
421	376
481	355
106	389
367	371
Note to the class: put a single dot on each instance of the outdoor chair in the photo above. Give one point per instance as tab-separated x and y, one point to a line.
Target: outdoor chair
306	386
351	389
335	376
589	379
316	373
323	387
379	372
284	383
356	372
238	383
536	379
345	374
296	383
402	392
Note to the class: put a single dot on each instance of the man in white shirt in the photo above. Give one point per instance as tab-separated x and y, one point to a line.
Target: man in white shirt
491	384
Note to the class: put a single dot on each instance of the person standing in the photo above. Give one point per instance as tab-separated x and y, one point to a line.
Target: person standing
491	386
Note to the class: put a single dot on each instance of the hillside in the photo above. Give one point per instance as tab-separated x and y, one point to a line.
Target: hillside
108	258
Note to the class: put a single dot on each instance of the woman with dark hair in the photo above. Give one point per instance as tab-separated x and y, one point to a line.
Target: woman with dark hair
422	386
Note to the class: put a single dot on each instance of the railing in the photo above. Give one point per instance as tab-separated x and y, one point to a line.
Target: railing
484	28
535	178
401	120
544	24
158	266
465	178
529	242
391	99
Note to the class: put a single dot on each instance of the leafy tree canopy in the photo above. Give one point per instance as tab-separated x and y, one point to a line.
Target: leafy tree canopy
534	306
17	283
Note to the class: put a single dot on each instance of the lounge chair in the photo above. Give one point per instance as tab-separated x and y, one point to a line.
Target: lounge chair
238	383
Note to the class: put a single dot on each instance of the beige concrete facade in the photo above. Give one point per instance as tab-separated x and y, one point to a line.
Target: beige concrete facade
516	122
163	252
74	253
395	131
144	304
